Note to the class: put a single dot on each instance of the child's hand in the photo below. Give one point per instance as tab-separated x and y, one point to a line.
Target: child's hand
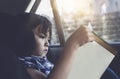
81	36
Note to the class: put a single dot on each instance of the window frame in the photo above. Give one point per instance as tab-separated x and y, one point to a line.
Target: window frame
97	39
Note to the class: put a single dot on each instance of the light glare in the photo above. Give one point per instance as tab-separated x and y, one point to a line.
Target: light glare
75	6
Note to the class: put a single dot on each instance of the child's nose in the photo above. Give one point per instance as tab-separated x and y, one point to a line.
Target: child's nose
47	43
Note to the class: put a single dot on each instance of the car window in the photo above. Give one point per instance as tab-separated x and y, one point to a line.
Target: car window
102	15
45	9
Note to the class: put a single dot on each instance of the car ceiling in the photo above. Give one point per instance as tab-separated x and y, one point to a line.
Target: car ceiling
13	6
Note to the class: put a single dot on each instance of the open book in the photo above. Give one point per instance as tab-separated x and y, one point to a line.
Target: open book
91	61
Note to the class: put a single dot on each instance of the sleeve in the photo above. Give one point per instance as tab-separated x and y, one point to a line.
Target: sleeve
28	62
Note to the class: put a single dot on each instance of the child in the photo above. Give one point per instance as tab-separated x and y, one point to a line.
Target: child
32	46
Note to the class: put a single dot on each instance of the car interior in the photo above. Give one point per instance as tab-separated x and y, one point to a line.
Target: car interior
10	67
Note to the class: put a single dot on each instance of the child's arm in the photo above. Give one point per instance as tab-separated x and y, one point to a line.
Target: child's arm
77	39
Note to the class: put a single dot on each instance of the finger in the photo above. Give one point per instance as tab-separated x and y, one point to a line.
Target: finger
91	39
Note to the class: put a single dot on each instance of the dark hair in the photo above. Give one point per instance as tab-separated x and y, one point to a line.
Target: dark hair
25	41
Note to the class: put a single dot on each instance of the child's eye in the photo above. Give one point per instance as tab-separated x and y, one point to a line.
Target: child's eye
41	35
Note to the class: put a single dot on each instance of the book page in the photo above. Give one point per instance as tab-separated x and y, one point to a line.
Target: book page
91	61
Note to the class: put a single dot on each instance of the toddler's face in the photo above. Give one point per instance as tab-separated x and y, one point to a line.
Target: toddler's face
42	43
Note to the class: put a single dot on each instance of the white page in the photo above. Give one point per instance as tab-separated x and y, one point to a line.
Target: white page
91	61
